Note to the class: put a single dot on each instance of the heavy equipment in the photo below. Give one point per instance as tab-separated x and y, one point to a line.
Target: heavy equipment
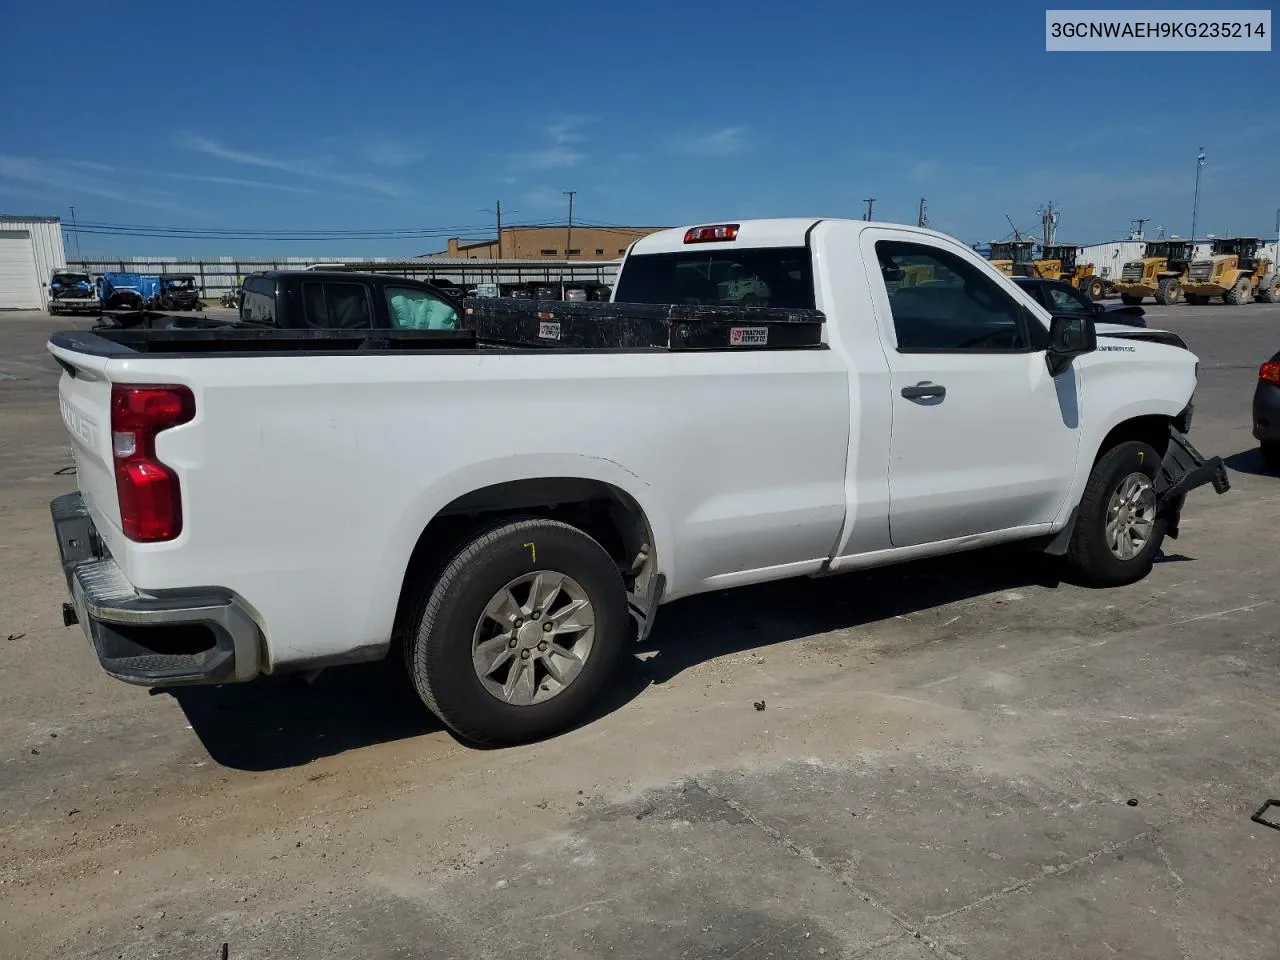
1058	262
1011	256
1161	273
1234	272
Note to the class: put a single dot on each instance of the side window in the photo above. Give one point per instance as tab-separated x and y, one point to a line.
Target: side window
942	304
413	309
338	306
258	301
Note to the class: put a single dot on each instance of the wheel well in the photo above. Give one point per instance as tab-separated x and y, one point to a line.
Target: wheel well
603	511
1152	429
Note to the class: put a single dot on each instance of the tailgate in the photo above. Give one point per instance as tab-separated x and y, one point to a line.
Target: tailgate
84	398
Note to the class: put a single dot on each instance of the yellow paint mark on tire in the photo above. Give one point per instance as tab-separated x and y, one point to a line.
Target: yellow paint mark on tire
533	550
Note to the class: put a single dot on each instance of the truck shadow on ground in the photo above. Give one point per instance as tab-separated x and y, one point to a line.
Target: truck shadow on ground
283	722
1250	462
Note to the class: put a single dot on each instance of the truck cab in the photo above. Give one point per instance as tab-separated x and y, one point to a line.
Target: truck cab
336	299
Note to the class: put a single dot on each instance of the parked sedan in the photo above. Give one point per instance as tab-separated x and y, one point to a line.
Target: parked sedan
1266	412
1060	297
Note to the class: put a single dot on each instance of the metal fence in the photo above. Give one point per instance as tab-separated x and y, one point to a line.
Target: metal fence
215	276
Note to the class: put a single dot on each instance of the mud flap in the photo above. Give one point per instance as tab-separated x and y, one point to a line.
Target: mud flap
1181	471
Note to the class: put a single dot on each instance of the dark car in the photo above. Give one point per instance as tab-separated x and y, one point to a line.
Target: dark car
1060	297
1266	412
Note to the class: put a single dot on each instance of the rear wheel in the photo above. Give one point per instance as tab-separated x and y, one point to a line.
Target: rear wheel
1117	533
1094	287
1267	292
1130	299
1168	291
520	633
1239	293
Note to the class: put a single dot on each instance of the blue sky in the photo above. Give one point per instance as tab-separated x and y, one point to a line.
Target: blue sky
418	116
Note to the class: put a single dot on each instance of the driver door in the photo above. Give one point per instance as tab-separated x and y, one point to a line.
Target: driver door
983	438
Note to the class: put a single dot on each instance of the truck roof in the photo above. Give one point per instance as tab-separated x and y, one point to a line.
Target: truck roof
781	232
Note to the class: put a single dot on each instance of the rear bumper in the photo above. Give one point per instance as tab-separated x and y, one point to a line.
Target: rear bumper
178	638
76	306
1266	412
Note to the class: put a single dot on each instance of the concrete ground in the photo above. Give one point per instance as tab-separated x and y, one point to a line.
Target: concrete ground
956	759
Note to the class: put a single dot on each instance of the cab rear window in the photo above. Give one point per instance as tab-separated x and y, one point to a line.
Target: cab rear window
760	277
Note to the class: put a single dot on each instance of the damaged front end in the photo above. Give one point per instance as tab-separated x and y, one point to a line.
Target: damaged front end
1181	471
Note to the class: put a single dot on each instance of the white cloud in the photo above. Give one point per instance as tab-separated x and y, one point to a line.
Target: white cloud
69	183
724	142
315	168
387	152
551	159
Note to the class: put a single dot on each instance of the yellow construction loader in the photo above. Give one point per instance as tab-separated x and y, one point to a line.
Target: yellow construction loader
1161	273
1058	262
1011	257
1234	272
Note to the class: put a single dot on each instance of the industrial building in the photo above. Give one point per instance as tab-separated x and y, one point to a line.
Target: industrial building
30	248
560	243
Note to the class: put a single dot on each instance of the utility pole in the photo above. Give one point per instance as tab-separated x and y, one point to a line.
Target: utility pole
1136	225
498	209
1195	204
922	220
870	202
1017	235
1048	224
568	239
75	232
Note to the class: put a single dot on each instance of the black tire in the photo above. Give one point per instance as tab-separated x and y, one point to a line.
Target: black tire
1094	287
1267	292
439	651
1130	299
1089	558
1270	450
1168	291
1239	292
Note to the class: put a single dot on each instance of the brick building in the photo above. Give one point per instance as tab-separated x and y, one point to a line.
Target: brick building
534	243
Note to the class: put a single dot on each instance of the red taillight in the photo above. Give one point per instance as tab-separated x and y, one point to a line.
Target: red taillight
713	234
1270	371
150	497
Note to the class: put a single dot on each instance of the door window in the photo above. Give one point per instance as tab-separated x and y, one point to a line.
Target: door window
341	306
258	301
943	304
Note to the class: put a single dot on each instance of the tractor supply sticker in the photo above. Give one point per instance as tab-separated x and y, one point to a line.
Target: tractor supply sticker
548	331
1110	349
748	336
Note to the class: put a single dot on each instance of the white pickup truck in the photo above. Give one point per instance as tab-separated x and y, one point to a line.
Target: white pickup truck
506	519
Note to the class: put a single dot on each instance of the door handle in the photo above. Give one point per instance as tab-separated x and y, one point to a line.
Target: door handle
924	390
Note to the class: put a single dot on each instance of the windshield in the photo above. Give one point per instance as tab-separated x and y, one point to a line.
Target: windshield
67	279
762	277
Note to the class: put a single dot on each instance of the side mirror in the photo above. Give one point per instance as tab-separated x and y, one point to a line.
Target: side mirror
1069	337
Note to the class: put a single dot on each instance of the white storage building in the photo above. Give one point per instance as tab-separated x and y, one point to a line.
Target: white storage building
30	247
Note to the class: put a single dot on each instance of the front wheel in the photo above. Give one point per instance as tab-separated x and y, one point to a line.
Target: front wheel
520	633
1095	288
1168	291
1117	532
1239	293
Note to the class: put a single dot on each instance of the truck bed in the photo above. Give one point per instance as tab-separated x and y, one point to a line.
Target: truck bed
489	324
